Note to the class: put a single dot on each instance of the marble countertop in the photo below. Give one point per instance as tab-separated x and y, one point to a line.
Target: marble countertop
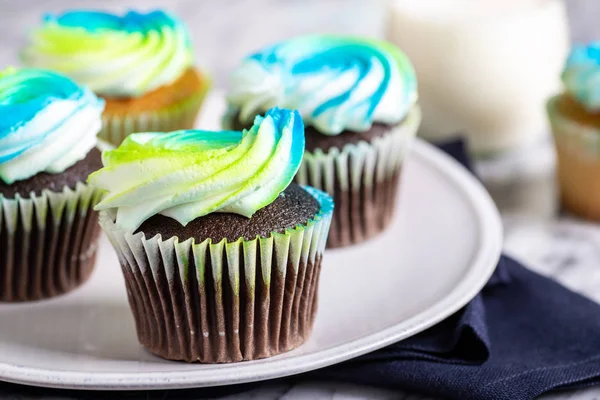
536	233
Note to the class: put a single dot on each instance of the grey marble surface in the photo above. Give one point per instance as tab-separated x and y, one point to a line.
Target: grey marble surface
561	247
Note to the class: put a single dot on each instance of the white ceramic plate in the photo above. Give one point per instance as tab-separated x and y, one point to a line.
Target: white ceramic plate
439	252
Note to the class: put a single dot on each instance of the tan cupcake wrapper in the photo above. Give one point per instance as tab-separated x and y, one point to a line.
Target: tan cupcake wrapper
116	127
584	140
363	179
227	301
578	162
48	242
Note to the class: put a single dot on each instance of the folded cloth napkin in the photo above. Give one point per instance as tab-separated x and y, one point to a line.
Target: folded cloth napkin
522	336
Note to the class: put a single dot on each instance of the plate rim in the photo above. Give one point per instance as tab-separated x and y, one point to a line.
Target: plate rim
482	266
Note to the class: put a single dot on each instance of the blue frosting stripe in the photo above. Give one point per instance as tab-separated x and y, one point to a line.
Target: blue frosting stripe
97	21
581	75
23	94
336	82
346	57
47	122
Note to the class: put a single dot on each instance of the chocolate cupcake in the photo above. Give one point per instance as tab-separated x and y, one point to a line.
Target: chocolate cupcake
358	98
48	228
140	63
221	255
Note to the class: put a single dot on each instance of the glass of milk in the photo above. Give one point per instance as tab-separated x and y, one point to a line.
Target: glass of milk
485	67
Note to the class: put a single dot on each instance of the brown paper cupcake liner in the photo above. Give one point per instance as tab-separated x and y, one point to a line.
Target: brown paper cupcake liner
363	179
115	128
227	301
48	242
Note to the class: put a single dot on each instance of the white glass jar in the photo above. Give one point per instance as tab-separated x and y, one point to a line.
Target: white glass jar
485	67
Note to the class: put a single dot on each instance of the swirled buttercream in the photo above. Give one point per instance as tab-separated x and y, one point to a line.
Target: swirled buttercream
47	123
187	174
121	56
337	83
581	75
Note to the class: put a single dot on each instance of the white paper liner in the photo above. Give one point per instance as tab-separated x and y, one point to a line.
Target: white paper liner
48	242
362	178
115	127
227	301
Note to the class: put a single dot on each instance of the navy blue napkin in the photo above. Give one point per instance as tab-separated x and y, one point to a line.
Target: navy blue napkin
522	336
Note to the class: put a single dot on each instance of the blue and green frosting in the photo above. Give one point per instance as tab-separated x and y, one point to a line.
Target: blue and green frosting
114	55
47	123
187	174
336	82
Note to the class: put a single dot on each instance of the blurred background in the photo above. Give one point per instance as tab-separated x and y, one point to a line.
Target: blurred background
520	180
222	31
226	30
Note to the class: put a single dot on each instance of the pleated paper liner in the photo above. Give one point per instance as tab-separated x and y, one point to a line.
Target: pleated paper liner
578	162
47	242
223	302
115	128
363	179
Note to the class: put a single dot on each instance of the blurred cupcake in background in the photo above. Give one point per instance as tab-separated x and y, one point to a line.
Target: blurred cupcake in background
358	98
48	228
221	255
575	119
140	63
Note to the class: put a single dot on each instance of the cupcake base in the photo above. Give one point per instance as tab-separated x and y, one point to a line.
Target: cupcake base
579	184
578	156
48	235
203	300
206	320
363	214
361	170
166	109
47	258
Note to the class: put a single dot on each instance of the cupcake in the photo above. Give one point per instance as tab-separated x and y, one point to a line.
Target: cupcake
48	228
358	99
221	255
141	64
575	120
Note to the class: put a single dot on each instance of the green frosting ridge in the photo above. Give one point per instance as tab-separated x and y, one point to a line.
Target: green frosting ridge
187	174
114	55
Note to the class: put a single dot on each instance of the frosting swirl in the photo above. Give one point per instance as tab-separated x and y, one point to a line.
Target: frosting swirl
337	83
47	123
581	75
187	174
120	56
